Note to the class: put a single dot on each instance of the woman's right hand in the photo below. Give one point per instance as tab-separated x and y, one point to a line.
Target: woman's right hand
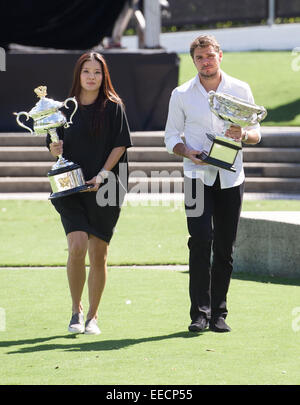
56	148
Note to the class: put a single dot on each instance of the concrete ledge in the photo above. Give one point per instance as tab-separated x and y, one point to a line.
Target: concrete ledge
268	243
254	38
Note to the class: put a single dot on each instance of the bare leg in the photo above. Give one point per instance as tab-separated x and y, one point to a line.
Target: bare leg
77	244
97	249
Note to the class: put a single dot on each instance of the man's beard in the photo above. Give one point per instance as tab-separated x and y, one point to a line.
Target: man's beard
208	75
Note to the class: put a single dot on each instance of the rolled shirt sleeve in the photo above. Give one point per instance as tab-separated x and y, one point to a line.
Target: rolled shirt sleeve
250	99
175	122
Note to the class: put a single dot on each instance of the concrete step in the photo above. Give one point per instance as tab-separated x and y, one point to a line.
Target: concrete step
252	184
154	184
254	154
145	138
24	154
271	155
136	184
151	153
271	137
157	169
148	138
252	169
272	185
36	169
25	169
153	169
279	141
280	137
21	139
258	169
24	184
271	166
286	137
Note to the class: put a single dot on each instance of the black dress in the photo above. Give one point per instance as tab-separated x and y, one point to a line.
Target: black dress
80	211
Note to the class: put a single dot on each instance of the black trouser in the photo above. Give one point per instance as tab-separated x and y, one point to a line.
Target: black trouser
215	229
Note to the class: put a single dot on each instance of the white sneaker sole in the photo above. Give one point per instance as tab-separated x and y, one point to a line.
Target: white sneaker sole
92	332
79	329
91	327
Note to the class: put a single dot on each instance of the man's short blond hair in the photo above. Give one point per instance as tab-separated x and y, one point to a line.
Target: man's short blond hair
202	42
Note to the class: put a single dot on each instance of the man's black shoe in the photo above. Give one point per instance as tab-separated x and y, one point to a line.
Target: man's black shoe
219	325
198	326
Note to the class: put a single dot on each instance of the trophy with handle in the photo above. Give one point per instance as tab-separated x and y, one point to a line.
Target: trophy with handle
220	150
65	177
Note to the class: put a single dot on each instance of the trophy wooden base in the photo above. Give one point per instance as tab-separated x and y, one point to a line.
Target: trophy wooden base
223	152
215	162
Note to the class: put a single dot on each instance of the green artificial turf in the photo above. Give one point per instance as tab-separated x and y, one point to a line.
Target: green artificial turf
274	82
144	315
31	233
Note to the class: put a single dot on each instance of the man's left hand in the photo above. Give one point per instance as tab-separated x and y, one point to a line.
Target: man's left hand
235	133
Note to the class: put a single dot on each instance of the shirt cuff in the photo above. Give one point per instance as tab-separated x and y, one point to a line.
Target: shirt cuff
257	127
171	142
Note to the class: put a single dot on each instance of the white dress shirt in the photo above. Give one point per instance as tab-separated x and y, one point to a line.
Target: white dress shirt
190	115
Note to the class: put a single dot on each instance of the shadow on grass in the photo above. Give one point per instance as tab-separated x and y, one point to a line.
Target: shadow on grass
266	279
88	346
262	278
285	112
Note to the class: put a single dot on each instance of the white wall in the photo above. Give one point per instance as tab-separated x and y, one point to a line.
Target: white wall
275	37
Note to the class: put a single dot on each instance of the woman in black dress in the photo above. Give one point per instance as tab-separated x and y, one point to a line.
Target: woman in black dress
97	141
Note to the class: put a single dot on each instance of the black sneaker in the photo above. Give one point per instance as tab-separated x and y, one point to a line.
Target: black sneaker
219	325
199	325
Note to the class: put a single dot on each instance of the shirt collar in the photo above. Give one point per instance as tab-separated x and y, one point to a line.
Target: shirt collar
224	83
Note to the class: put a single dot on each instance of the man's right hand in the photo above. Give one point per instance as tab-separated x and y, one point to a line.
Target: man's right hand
192	155
182	150
56	148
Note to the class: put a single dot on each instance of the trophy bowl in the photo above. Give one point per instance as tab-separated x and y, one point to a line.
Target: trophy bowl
235	110
65	177
220	150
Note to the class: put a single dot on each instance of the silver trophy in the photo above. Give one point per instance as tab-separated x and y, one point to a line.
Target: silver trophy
65	177
220	150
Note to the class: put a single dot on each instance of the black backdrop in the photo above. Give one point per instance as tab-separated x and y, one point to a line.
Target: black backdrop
144	79
58	24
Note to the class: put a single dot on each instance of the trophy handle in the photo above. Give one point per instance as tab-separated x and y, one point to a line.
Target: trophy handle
262	115
20	123
75	109
211	96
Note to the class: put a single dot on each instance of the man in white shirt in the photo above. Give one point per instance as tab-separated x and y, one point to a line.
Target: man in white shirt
215	227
